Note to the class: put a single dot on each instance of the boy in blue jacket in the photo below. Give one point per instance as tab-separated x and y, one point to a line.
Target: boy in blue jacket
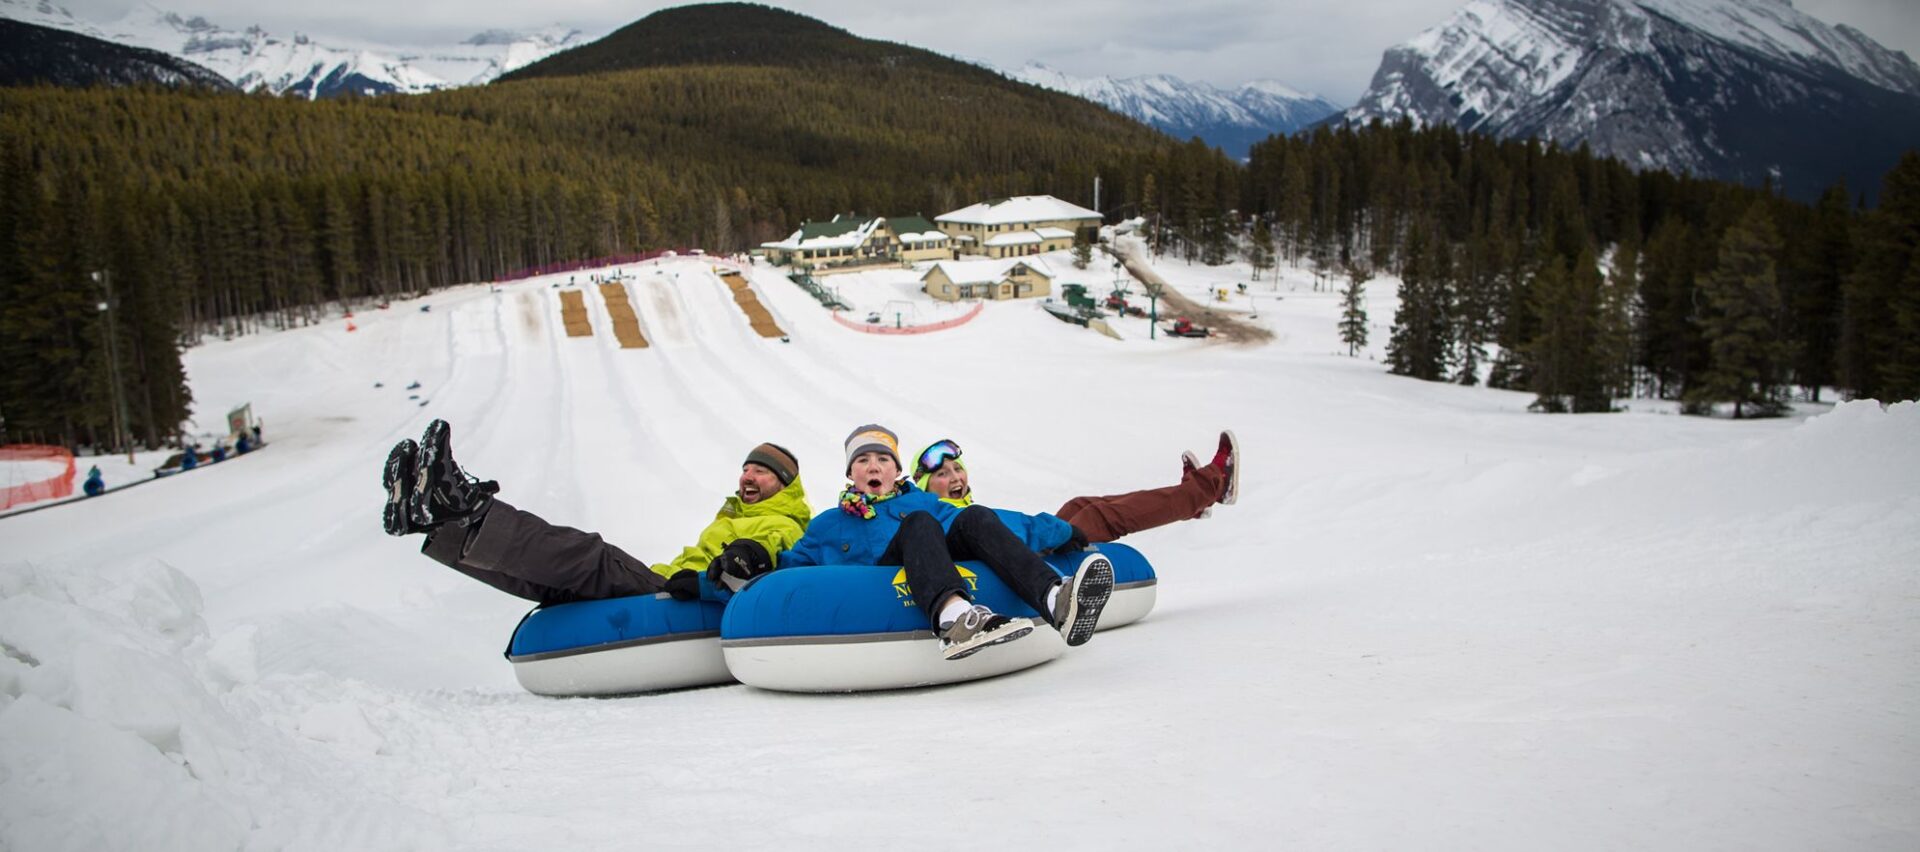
883	519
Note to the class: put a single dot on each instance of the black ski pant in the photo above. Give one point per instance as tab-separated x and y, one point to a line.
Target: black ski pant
976	533
520	554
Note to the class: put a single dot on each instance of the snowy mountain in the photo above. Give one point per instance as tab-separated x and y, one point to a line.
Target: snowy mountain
1230	119
1733	89
32	54
254	59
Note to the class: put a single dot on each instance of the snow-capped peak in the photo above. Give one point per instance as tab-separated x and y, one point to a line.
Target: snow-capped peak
1231	119
308	65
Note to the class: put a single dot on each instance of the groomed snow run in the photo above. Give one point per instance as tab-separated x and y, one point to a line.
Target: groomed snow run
1433	620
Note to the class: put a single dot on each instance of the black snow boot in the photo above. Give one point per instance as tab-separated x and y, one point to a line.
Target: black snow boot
443	492
398	482
397	479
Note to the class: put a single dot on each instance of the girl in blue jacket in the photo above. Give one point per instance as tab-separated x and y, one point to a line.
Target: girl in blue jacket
883	519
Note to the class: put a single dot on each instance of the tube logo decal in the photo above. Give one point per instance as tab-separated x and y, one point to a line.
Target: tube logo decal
905	595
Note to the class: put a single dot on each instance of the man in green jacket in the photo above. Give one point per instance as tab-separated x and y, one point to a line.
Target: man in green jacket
472	531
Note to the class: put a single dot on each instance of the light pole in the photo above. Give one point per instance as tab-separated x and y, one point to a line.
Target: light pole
123	430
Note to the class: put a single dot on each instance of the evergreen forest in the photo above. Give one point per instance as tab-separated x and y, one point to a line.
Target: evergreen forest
198	213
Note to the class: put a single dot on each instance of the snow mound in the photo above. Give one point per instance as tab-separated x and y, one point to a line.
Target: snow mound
123	725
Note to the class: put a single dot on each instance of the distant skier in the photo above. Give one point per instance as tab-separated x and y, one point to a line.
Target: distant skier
241	446
472	531
939	469
883	519
190	458
95	485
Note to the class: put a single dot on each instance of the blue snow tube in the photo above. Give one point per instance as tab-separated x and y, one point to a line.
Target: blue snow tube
837	628
827	628
618	645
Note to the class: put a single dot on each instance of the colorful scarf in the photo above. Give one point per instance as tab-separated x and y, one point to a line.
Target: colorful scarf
860	504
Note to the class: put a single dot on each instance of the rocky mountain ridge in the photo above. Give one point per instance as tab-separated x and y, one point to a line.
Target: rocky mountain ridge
1743	90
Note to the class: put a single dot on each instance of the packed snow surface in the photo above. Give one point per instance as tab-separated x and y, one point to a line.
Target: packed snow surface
1433	620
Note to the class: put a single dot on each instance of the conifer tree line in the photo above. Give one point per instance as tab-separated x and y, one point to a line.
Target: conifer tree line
1573	277
226	214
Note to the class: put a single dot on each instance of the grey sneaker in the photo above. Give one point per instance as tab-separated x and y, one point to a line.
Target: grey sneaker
1076	609
978	628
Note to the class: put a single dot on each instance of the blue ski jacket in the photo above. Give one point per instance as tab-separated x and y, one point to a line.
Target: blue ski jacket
836	537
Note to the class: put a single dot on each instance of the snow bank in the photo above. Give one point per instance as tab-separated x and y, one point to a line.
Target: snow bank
123	725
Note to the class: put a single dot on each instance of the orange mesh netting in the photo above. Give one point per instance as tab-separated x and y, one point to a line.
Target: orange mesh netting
21	493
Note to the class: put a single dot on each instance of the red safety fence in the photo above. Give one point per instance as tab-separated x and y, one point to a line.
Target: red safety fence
43	489
591	263
874	328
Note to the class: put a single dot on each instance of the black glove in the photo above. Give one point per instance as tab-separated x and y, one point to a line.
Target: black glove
684	585
743	559
1076	541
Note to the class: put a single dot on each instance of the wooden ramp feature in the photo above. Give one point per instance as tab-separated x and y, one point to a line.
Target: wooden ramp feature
749	303
626	326
573	314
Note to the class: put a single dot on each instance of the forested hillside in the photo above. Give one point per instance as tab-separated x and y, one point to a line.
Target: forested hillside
220	214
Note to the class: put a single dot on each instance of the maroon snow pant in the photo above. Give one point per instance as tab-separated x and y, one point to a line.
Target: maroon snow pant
520	554
1109	518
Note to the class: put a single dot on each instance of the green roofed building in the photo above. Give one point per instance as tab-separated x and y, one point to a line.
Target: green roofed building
848	242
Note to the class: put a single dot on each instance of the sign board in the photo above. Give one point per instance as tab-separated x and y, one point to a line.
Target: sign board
240	420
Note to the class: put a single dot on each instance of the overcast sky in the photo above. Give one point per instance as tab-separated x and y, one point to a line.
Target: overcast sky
1328	48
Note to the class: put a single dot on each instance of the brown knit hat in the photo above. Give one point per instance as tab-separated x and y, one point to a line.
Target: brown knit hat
775	458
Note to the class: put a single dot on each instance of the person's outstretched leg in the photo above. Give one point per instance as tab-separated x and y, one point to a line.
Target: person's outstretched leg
1112	517
519	553
493	542
1073	606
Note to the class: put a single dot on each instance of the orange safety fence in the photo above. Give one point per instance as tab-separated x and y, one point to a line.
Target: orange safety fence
872	328
44	489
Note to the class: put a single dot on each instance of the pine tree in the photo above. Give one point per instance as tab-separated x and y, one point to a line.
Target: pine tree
1214	239
1591	388
1880	326
1669	343
1742	322
1260	254
1613	330
1554	352
1353	310
1820	254
1421	327
1083	247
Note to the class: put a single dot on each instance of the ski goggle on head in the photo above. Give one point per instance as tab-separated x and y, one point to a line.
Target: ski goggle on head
933	457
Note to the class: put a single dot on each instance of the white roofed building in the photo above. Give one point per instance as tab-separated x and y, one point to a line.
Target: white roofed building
1018	278
1016	227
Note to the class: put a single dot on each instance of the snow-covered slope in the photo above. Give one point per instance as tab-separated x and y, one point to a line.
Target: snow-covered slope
1431	620
313	67
1736	89
1230	119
